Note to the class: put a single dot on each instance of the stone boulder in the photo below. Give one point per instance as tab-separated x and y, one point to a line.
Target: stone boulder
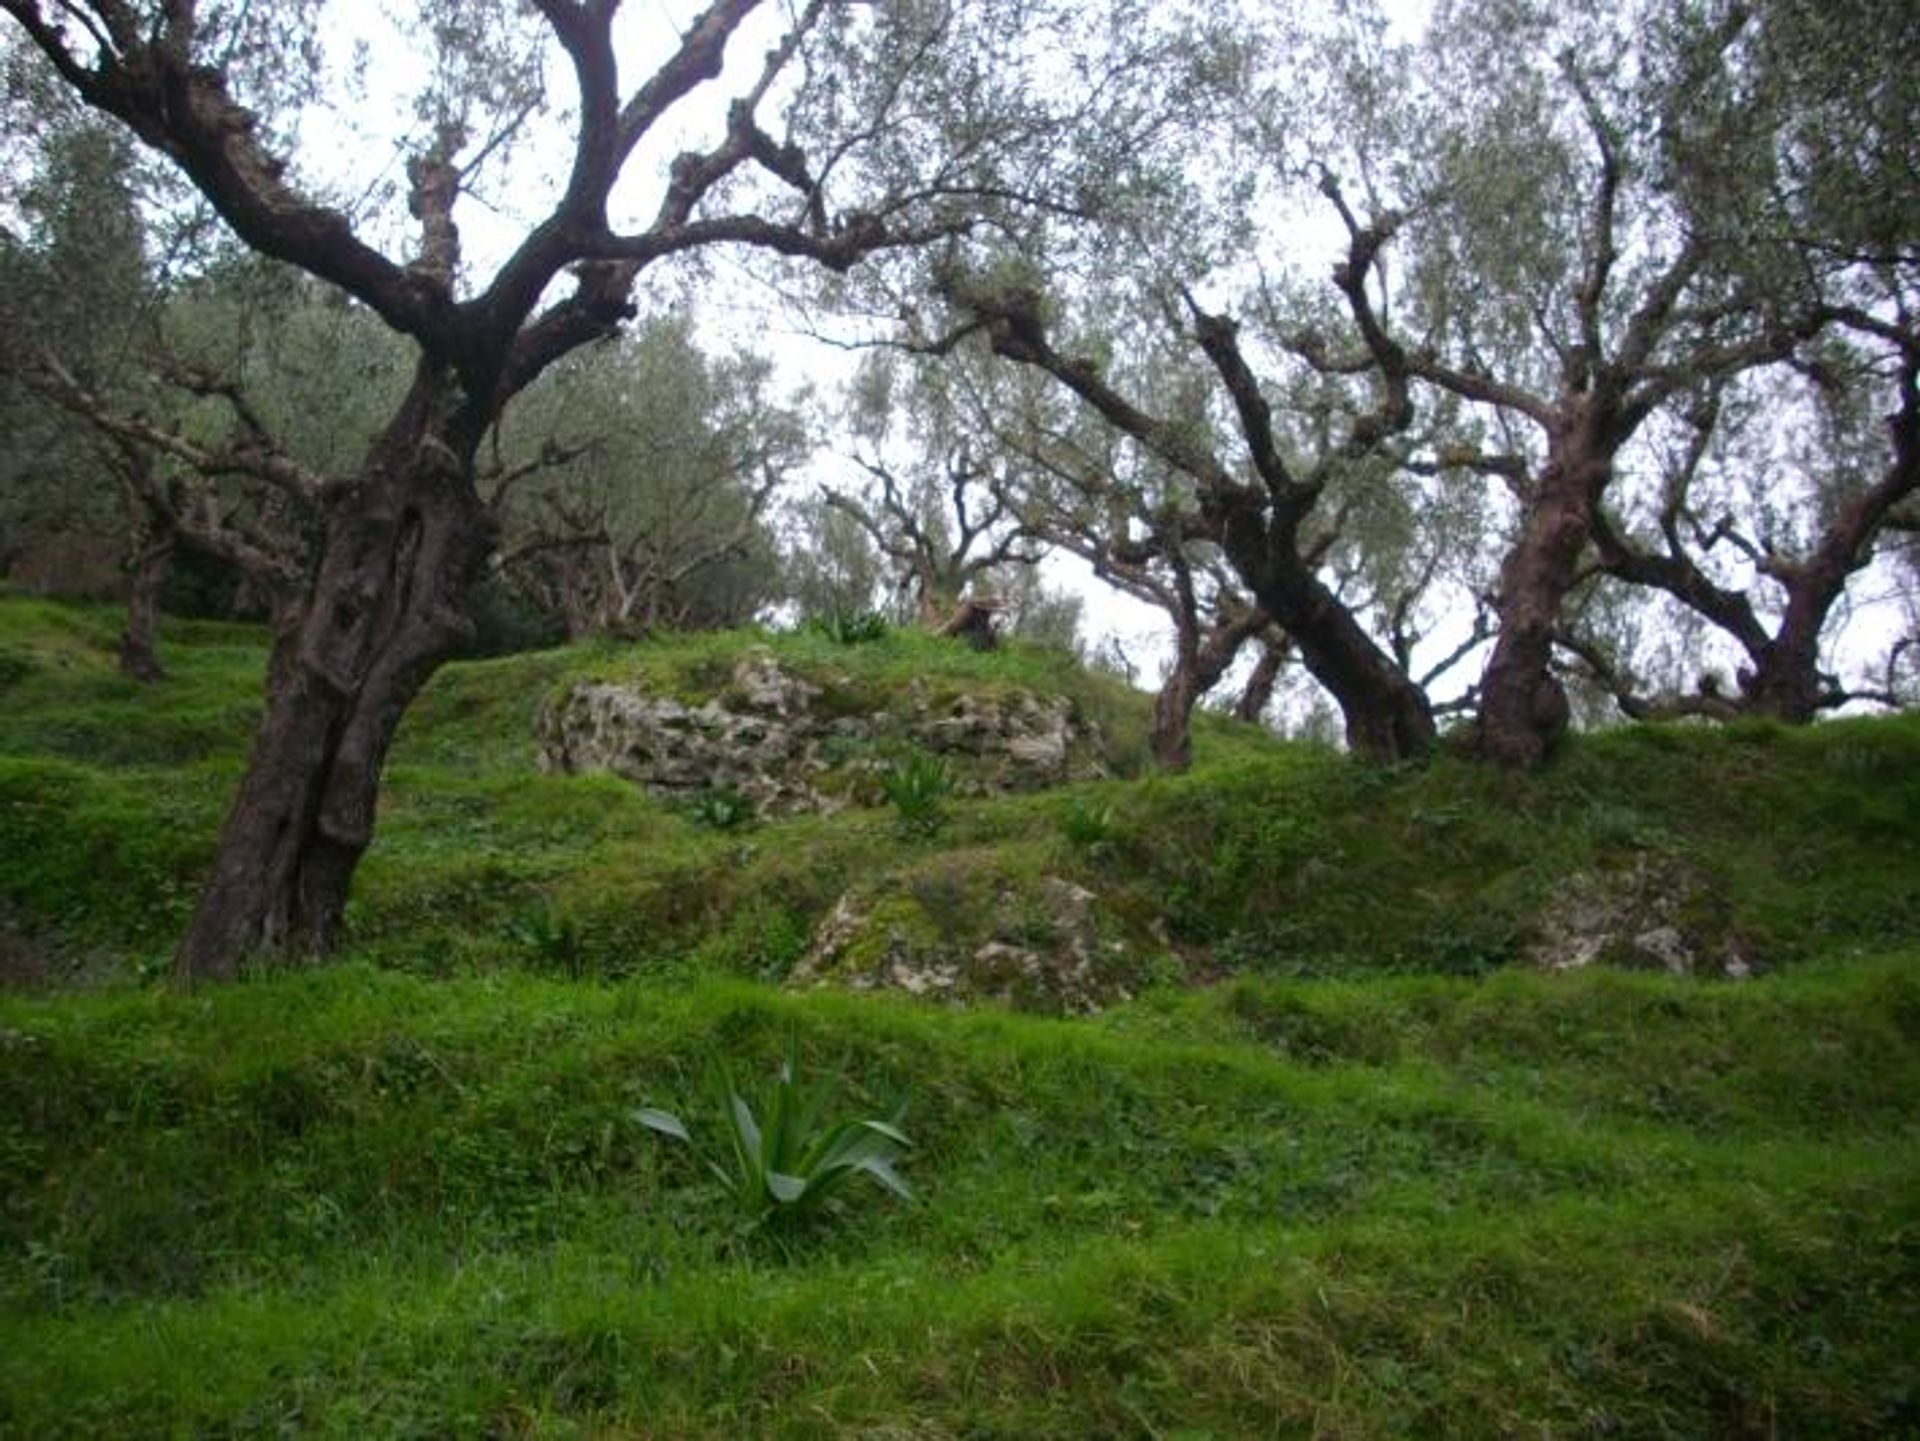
789	744
957	930
1656	913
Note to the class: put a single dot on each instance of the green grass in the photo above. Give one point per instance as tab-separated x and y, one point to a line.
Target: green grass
1352	1171
360	1200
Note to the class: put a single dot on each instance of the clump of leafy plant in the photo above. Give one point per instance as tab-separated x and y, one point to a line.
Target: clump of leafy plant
722	808
786	1160
856	627
1088	825
554	937
918	788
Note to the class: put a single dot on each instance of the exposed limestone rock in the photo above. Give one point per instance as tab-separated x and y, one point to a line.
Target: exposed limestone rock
1657	914
676	749
947	934
762	684
788	744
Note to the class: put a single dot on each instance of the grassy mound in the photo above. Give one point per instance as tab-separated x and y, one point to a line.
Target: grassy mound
1350	1169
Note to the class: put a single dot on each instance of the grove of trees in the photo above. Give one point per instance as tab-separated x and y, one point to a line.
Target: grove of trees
1475	368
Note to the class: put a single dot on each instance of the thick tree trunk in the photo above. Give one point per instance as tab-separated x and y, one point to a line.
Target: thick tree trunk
1257	694
1171	738
1523	707
1387	715
1784	682
1785	687
1388	718
139	642
387	606
1200	662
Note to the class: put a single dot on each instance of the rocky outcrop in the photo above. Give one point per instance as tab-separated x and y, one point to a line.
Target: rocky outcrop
951	933
676	749
789	744
1654	914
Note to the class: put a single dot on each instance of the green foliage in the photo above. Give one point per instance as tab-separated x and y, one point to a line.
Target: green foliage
506	623
1268	858
1088	825
370	1203
553	937
667	507
858	627
789	1161
721	808
1375	1178
918	788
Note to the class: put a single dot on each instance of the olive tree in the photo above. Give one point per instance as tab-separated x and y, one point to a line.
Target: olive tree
635	483
1615	230
853	132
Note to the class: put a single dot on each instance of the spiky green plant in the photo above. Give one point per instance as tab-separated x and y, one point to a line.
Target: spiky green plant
794	1162
722	808
918	788
854	627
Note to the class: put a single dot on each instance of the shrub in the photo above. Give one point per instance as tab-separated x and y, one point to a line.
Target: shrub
553	937
1088	826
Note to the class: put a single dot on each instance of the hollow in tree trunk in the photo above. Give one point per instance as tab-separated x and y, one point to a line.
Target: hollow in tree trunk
387	606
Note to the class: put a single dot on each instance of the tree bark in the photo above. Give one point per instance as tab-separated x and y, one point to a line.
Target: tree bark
1785	686
1523	707
1257	694
401	547
1387	715
139	642
1171	738
1785	682
1199	663
1388	718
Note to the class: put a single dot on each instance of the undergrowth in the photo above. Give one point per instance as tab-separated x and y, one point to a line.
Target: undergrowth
1349	1169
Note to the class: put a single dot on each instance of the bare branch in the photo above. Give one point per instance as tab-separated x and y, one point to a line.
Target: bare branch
255	455
1600	238
187	112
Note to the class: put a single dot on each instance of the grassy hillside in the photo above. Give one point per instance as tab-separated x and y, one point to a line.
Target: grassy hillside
1347	1165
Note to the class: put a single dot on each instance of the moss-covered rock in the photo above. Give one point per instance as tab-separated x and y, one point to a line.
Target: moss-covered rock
966	928
790	742
1652	913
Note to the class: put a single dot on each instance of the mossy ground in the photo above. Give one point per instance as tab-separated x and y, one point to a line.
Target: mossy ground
1371	1179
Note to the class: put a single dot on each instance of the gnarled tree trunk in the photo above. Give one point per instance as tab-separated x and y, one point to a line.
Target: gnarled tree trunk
1199	662
1523	707
1784	682
147	573
1388	717
387	606
1171	738
1257	694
